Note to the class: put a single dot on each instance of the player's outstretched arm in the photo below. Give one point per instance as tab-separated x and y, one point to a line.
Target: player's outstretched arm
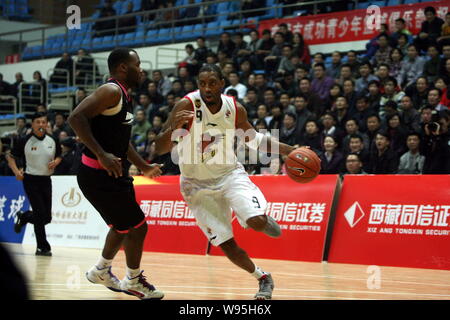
149	170
104	97
267	144
180	116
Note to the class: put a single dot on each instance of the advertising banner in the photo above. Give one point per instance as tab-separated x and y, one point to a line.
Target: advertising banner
12	200
356	24
302	210
171	225
75	223
393	220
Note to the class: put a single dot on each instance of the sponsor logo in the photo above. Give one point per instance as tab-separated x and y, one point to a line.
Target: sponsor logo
197	103
128	119
354	214
227	114
300	170
211	124
71	199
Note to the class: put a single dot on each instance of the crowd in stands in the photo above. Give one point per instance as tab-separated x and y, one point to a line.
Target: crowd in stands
385	112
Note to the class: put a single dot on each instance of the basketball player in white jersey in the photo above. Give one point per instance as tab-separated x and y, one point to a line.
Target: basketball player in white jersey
212	182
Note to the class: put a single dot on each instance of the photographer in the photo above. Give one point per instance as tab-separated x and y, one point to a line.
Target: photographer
435	146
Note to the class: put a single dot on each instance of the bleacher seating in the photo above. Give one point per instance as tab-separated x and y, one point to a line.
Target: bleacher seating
15	9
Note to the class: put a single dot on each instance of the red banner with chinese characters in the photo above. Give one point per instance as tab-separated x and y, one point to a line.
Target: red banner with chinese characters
171	225
354	25
302	211
393	220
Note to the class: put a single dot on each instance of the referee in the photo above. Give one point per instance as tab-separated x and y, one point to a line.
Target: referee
40	154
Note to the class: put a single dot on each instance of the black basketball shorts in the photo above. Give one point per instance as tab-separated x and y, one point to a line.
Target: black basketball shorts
113	198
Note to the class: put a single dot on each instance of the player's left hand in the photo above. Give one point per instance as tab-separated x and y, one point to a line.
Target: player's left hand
152	170
52	164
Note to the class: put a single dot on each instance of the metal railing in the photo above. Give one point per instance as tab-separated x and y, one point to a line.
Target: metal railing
8	114
31	94
166	56
145	24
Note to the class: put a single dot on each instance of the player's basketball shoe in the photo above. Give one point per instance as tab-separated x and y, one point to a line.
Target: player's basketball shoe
265	287
105	277
272	228
139	287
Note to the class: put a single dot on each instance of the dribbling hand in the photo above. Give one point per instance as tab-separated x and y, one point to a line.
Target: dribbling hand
112	164
181	118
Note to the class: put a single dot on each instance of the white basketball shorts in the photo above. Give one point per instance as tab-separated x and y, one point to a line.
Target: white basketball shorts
213	203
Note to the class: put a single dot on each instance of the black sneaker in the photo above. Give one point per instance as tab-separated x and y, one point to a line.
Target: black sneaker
43	252
18	225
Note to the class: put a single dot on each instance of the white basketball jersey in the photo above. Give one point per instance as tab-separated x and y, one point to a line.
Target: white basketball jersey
207	151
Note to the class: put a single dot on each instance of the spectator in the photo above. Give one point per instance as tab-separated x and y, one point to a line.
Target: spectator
183	75
426	114
434	99
446	73
362	112
334	70
400	27
383	160
5	87
321	83
350	94
391	93
352	61
335	92
262	113
396	59
331	158
301	49
154	95
431	67
330	128
373	45
441	83
226	44
287	84
272	60
412	67
285	64
403	43
365	70
189	86
200	53
345	74
288	132
61	125
64	75
341	114
260	85
177	89
84	68
162	83
410	116
263	49
353	164
373	126
240	50
189	14
149	5
159	18
383	52
383	72
251	102
302	112
412	162
235	84
317	58
169	15
285	101
14	89
270	97
418	92
127	24
397	134
352	129
39	91
140	128
436	144
105	27
277	117
311	136
430	31
444	39
67	165
356	145
287	35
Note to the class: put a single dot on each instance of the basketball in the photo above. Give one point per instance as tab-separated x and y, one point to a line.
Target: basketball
303	165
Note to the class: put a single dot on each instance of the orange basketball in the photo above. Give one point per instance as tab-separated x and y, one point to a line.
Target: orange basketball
302	165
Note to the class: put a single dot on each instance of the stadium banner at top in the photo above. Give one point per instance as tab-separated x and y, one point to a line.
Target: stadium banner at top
393	220
355	25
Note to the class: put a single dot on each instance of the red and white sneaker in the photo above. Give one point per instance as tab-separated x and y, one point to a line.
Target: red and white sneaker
139	287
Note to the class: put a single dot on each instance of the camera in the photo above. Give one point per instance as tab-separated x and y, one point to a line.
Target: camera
434	125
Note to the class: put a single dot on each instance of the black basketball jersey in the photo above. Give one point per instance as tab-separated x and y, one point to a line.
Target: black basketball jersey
112	128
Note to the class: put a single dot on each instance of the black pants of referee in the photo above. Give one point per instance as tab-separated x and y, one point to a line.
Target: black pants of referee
39	193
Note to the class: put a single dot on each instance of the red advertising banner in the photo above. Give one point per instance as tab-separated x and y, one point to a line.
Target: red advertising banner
14	58
302	210
393	220
171	225
356	24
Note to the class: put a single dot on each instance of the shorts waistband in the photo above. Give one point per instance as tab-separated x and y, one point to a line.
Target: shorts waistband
90	162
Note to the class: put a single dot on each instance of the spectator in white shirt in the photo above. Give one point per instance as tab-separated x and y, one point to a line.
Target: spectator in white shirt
234	84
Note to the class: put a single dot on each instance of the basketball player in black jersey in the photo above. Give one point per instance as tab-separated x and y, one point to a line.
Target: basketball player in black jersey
103	123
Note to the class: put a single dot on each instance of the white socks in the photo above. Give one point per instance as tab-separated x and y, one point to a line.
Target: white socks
103	263
258	273
133	273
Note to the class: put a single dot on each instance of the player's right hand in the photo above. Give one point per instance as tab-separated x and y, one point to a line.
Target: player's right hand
111	163
19	175
181	118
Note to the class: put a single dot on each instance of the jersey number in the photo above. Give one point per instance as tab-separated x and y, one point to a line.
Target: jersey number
198	114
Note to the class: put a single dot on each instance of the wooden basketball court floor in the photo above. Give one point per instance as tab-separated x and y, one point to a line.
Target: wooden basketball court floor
195	277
